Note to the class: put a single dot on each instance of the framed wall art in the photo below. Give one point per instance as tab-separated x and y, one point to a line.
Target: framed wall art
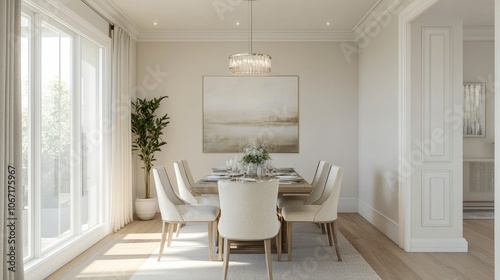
474	109
242	111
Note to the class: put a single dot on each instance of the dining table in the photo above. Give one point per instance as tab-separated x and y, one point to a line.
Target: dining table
290	182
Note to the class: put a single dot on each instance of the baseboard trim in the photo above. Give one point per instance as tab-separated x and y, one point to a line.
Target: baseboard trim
51	262
453	245
348	205
379	220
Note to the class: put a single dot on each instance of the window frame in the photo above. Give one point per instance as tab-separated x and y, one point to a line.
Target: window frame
67	21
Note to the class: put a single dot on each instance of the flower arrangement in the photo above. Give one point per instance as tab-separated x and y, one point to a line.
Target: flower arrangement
255	154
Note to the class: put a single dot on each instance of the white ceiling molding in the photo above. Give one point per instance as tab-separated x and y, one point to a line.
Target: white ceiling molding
116	15
479	34
382	12
57	11
243	36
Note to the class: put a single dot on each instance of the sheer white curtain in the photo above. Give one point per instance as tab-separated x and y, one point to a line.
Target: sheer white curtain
121	182
11	200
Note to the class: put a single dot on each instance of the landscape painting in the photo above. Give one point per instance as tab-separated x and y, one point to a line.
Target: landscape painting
242	111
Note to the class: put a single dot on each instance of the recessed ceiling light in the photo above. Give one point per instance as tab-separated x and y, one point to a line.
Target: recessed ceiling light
328	23
237	23
155	23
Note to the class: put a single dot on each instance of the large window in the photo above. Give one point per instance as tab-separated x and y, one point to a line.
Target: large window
62	87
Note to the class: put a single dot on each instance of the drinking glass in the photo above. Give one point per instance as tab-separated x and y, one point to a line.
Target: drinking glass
229	165
269	167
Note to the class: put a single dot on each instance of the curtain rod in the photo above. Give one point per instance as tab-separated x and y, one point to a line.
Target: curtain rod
111	24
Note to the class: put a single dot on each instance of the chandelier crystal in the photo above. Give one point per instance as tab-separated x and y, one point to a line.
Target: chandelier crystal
250	64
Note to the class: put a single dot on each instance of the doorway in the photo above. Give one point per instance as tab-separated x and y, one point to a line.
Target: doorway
431	198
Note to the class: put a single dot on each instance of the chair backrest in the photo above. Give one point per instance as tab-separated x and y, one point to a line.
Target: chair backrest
317	174
183	184
328	209
248	210
319	187
189	175
167	199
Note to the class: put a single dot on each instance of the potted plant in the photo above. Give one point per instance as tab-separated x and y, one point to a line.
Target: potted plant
255	157
148	129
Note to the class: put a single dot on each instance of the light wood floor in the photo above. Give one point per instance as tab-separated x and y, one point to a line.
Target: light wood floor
119	255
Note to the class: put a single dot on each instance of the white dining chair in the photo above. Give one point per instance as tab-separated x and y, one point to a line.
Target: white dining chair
318	183
175	211
248	212
326	213
185	191
187	169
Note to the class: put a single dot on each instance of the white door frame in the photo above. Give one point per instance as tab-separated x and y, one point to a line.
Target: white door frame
410	13
497	136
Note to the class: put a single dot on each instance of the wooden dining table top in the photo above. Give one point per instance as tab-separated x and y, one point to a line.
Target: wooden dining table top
290	182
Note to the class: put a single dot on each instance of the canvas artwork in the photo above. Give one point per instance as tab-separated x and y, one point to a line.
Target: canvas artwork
242	111
474	109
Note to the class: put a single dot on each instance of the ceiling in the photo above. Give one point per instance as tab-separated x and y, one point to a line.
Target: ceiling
225	14
338	19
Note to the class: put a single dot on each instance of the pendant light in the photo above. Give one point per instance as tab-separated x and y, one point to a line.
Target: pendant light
250	64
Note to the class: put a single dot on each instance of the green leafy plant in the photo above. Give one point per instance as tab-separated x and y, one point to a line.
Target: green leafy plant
255	154
148	129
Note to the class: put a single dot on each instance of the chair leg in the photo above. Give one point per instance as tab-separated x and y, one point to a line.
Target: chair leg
210	241
278	244
329	233
227	248
164	230
179	225
216	231
170	234
283	234
289	240
334	226
323	228
267	248
221	247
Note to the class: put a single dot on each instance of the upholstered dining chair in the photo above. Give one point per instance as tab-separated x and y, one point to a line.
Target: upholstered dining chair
326	213
175	211
318	183
187	169
248	213
184	187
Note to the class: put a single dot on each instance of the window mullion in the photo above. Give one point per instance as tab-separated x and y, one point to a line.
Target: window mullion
76	151
36	136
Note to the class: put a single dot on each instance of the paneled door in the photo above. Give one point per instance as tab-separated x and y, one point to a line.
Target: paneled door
436	135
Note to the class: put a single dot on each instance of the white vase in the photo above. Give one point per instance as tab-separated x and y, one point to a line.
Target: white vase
145	208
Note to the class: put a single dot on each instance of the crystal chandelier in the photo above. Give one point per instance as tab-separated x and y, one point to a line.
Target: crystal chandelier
249	64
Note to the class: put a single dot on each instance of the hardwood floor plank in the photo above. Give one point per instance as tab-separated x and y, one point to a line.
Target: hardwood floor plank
391	262
118	256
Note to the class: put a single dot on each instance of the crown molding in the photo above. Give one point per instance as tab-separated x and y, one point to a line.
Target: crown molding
476	34
377	16
59	12
242	36
115	14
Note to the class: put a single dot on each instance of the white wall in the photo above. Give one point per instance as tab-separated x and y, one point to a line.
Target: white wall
479	67
378	129
327	100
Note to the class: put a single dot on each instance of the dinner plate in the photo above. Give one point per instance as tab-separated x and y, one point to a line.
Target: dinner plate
287	177
246	179
215	177
284	174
